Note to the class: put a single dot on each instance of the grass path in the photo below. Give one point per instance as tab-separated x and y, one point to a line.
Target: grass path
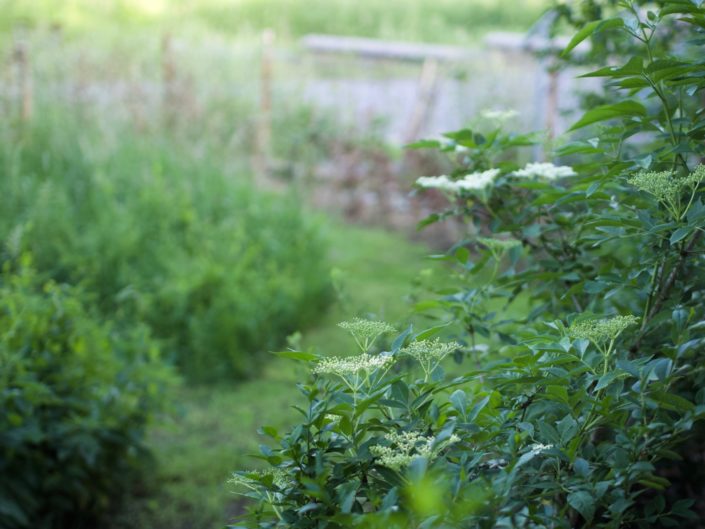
215	427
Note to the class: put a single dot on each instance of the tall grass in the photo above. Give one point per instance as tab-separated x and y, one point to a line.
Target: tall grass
161	233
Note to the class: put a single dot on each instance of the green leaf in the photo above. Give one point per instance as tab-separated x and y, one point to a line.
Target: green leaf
589	30
671	401
623	109
606	380
298	355
424	335
581	467
583	502
679	235
346	494
567	428
424	144
459	401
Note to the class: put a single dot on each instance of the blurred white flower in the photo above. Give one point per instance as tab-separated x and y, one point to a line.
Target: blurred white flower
538	448
472	181
545	170
477	180
435	182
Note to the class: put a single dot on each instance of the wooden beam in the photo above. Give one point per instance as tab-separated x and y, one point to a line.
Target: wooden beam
381	49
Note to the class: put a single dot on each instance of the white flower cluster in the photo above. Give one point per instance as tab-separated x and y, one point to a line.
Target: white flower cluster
666	187
498	246
424	350
429	353
662	184
600	331
538	448
473	181
350	365
545	170
366	332
406	446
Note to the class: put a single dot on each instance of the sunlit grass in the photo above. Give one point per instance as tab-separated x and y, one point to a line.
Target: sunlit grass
453	21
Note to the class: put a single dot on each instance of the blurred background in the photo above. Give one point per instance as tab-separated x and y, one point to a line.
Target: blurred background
226	178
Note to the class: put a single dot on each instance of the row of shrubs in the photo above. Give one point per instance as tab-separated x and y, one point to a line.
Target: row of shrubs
126	255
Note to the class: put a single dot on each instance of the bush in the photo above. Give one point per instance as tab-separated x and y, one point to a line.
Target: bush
75	397
161	232
579	408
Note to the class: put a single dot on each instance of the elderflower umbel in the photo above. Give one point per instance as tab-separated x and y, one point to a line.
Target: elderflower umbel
441	182
545	170
406	447
429	349
600	331
429	353
473	181
667	188
350	365
660	184
366	332
498	246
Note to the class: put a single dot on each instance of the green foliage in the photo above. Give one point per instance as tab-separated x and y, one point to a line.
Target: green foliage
214	427
577	412
75	396
163	235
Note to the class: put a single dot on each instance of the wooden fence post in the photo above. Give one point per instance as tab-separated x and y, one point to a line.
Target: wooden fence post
552	101
263	137
23	71
168	68
428	84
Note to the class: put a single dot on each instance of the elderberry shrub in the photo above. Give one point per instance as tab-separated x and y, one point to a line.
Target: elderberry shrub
578	297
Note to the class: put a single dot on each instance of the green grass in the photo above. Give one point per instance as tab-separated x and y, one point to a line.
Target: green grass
214	428
452	21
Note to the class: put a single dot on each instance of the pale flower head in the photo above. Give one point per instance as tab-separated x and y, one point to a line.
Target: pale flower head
600	331
547	171
537	448
441	182
499	246
661	184
407	446
350	365
475	181
365	332
424	350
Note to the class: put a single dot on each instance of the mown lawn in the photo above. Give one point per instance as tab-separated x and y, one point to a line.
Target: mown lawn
213	429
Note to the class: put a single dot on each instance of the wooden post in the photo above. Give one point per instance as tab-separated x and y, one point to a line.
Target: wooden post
168	80
428	85
23	71
263	137
552	101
